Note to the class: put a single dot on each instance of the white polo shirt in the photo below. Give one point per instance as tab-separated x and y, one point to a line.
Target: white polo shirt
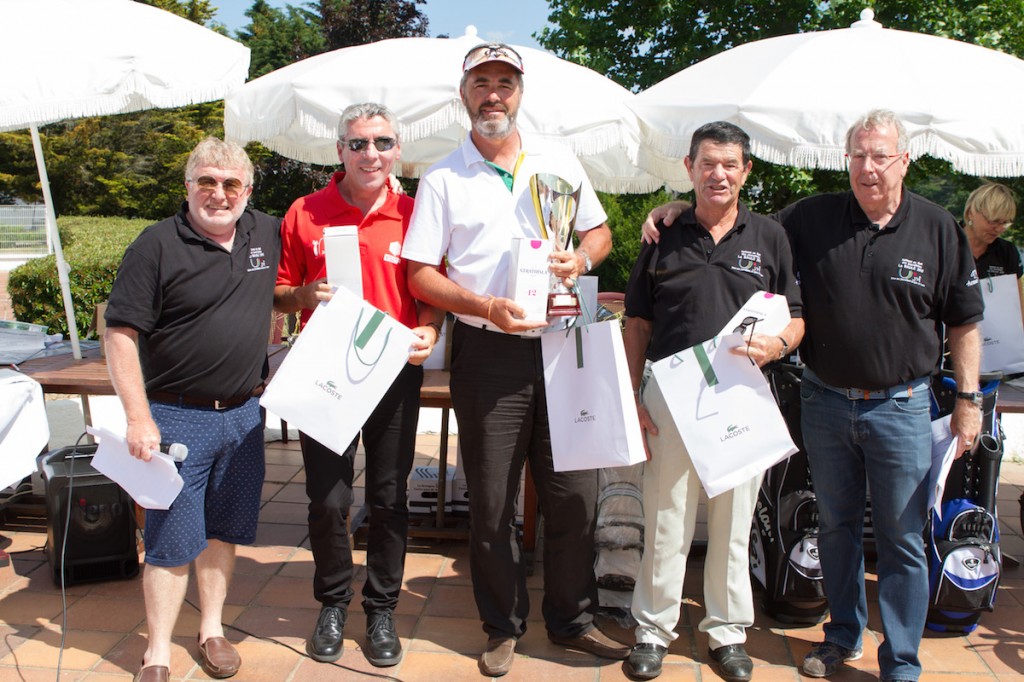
464	210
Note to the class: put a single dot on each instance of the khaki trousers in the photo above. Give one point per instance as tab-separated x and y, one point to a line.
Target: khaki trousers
671	494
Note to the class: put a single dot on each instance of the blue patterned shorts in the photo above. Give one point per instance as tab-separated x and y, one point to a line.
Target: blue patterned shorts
223	476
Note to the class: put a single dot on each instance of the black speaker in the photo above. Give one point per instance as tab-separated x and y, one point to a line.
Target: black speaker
100	539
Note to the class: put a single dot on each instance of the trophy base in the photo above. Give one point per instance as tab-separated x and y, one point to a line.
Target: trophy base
563	305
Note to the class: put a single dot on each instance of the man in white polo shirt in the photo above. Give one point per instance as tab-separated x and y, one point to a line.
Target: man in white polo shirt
469	207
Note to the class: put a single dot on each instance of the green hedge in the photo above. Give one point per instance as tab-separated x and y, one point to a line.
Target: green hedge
93	248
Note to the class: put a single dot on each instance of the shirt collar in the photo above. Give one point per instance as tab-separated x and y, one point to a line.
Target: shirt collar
861	220
336	204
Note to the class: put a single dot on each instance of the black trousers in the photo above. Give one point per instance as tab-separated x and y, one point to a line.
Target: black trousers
389	438
497	385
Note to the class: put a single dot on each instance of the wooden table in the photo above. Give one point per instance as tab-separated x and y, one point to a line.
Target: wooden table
1011	399
89	376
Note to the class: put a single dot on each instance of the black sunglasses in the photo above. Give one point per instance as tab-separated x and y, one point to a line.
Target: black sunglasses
359	144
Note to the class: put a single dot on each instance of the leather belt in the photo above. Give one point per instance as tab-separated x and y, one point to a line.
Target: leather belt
900	391
211	403
491	327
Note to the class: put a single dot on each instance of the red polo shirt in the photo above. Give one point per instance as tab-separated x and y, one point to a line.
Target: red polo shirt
381	233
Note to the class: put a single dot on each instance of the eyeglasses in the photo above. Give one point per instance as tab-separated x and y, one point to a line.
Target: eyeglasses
878	158
494	52
995	224
745	324
207	183
359	144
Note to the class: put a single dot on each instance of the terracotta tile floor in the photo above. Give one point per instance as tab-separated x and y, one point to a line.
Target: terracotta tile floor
272	611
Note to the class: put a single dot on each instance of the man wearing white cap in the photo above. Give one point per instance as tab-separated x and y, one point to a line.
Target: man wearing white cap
469	207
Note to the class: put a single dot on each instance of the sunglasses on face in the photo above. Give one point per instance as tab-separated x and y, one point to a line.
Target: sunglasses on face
232	186
359	144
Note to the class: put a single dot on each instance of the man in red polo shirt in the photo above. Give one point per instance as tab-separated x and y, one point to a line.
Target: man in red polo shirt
361	195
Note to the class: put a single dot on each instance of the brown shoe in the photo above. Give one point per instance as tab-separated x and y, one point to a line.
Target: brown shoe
595	642
153	673
497	659
219	658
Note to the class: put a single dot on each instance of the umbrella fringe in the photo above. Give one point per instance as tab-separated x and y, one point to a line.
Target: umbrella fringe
451	114
16	118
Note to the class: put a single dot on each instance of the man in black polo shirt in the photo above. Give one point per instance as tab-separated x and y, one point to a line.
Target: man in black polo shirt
880	269
681	292
187	348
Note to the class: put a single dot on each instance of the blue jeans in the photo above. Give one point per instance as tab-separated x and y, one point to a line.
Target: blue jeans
884	445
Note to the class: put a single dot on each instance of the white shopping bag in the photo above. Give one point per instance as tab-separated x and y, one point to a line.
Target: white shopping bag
591	411
345	360
724	411
1002	338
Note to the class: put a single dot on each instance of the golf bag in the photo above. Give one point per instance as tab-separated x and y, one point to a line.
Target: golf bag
784	530
964	562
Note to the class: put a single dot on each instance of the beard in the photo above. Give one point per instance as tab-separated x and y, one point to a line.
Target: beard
493	128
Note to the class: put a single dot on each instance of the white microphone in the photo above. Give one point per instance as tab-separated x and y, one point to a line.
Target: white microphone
177	451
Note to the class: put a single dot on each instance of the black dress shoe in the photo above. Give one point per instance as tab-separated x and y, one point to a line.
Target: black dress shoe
327	640
644	662
382	646
733	662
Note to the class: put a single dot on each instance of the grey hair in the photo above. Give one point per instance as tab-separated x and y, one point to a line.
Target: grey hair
365	110
220	154
879	118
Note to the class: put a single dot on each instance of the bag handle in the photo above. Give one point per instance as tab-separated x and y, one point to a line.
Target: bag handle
363	337
703	361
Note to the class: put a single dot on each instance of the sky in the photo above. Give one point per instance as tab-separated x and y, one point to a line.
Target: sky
509	21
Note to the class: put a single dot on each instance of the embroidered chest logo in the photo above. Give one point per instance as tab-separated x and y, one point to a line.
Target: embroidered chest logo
909	271
257	259
748	261
394	255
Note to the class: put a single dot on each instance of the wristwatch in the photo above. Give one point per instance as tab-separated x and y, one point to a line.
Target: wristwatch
588	265
973	396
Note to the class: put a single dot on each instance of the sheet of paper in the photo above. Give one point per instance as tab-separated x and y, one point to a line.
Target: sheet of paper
943	454
154	484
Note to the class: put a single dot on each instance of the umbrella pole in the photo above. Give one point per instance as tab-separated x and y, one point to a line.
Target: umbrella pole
51	228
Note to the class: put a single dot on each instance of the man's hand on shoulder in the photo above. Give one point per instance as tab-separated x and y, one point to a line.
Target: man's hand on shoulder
666	213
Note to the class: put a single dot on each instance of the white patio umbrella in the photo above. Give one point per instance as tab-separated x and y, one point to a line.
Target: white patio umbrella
294	111
797	95
70	58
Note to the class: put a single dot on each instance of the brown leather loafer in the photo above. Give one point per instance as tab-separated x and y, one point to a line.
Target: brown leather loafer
595	642
219	658
497	659
153	673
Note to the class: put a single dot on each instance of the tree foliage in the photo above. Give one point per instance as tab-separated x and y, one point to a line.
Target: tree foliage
640	42
278	37
132	165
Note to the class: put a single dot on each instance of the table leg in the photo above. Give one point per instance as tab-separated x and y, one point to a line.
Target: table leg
442	470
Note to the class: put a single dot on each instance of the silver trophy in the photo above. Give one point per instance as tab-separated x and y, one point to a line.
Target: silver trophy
556	203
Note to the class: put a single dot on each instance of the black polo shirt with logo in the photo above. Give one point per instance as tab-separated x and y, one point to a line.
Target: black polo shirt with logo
1000	258
689	287
203	314
874	299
